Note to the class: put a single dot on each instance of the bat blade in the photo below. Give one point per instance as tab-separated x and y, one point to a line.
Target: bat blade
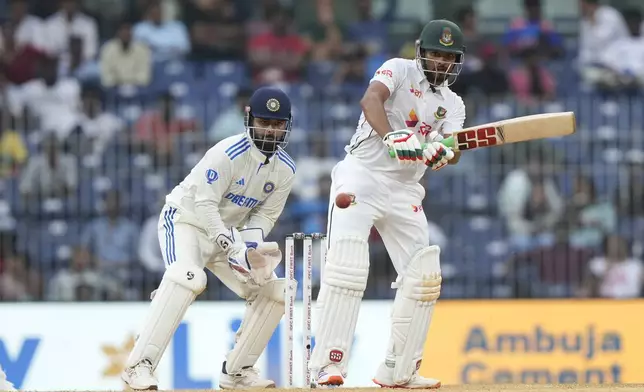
519	129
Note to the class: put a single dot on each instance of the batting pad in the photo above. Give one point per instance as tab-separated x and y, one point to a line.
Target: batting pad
180	285
412	312
345	279
262	316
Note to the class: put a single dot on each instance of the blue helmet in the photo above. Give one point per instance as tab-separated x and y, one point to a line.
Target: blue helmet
268	103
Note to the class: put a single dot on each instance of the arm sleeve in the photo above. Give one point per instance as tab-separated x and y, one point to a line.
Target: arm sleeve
391	73
454	121
214	174
265	215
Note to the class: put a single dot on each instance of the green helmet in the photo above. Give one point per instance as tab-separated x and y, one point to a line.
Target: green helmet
441	36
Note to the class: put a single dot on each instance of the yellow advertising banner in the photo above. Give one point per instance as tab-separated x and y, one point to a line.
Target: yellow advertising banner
536	342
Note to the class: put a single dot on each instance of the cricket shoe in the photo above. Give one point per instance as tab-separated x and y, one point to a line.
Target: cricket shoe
140	377
247	378
385	378
330	376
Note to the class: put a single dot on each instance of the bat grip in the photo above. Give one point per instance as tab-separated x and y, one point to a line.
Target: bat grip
447	142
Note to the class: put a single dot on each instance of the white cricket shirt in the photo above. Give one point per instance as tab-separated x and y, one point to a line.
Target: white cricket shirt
234	185
412	106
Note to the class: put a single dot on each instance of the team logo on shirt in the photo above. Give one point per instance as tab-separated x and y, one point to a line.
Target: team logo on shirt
413	119
440	113
417	93
211	176
269	187
273	105
446	37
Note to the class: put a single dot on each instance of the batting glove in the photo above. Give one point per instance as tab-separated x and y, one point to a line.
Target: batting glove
405	145
437	156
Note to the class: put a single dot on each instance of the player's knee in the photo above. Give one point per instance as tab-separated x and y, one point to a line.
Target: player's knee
347	265
422	280
189	276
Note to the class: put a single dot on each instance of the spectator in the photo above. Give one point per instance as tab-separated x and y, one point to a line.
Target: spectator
589	219
28	30
615	274
66	283
67	23
168	40
353	66
231	121
216	30
13	151
551	271
532	32
278	55
620	66
532	82
112	240
630	193
324	38
51	173
124	61
53	101
601	26
97	127
19	62
14	280
156	128
368	30
530	203
466	18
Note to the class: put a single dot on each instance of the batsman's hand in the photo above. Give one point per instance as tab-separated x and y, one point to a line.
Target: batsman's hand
405	145
436	155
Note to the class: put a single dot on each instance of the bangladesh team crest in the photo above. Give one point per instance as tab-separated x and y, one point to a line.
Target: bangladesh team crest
440	113
446	37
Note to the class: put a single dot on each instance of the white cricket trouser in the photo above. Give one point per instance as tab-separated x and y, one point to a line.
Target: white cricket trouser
393	207
183	242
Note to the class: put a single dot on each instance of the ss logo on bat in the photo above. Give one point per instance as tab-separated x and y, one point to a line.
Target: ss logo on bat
475	138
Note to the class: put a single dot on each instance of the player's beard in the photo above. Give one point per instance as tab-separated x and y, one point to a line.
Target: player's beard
436	72
268	144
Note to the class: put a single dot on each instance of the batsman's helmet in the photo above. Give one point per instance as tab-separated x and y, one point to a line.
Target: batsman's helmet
440	36
269	103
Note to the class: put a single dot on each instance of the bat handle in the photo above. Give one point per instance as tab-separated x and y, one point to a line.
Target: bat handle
447	142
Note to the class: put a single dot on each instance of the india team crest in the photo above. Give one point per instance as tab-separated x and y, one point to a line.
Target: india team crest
446	37
440	113
269	187
273	105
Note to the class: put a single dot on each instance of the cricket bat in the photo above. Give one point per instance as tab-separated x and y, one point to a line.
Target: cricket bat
519	129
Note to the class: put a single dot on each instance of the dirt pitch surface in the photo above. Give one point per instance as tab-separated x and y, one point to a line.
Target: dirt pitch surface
477	388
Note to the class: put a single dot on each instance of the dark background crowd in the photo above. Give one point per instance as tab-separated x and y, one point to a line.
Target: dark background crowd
105	105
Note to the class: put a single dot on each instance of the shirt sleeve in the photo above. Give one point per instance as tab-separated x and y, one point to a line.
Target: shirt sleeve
455	118
213	177
391	73
265	215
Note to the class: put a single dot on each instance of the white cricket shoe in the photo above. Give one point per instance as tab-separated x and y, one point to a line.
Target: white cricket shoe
330	375
385	378
140	377
248	378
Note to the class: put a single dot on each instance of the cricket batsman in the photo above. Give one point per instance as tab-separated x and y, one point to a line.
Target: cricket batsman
408	108
5	385
217	218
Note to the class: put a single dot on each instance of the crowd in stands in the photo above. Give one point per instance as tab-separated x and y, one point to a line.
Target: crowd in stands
103	111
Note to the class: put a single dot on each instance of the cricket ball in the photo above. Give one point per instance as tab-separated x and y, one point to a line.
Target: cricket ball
344	200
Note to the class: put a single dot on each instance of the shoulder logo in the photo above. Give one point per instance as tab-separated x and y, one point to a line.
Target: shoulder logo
273	105
211	176
269	187
440	113
446	37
